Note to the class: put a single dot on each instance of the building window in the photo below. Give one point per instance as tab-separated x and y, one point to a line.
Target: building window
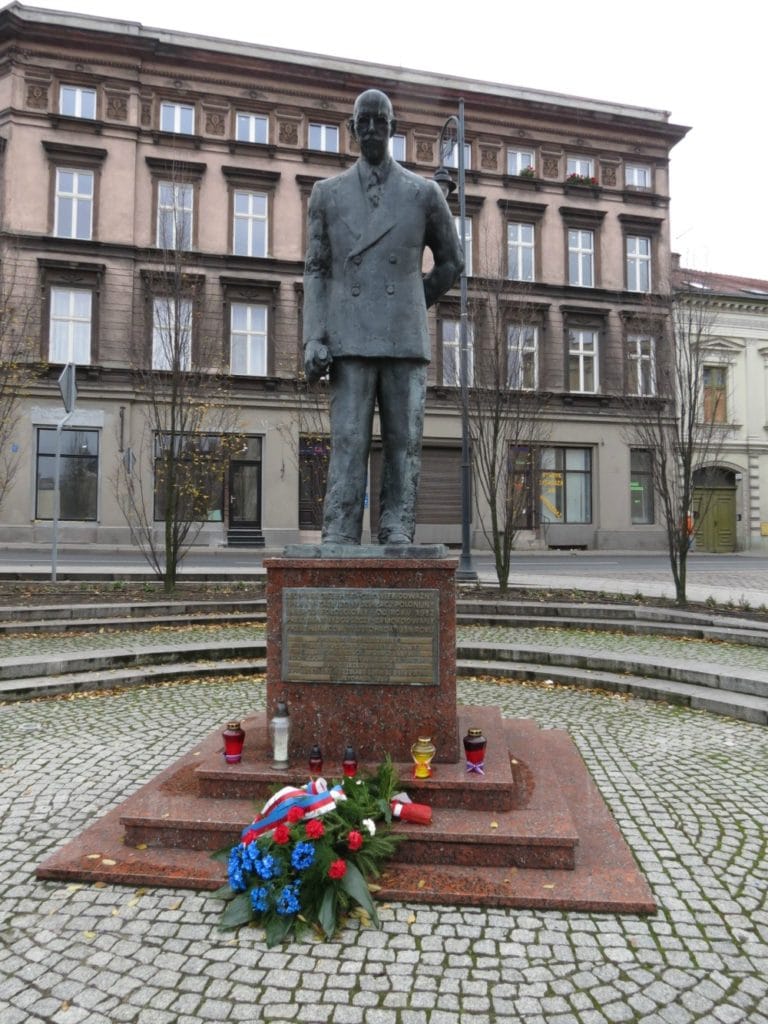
522	357
248	339
249	233
78	474
582	361
451	349
520	251
324	137
73	217
397	148
520	486
565	485
521	161
70	326
641	354
171	333
252	128
178	118
76	101
452	158
715	379
582	166
198	464
638	263
174	215
581	257
637	176
641	487
467	242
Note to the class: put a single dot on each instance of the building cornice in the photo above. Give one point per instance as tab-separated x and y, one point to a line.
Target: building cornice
133	40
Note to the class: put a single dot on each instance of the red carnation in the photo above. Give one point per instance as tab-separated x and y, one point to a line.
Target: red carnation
295	814
354	841
337	869
315	829
281	835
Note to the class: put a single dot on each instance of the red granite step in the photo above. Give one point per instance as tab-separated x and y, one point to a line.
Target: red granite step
604	876
499	789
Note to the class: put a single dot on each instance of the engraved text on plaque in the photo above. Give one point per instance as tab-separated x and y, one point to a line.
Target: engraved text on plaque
350	635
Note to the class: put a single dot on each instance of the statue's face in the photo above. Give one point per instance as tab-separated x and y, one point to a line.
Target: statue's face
372	123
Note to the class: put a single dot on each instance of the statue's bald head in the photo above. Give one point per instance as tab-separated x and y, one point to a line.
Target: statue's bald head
373	102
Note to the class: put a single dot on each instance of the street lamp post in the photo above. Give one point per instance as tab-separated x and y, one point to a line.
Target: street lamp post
443	178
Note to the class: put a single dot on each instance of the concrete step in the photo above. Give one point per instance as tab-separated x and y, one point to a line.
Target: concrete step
98	625
140	675
743	706
124	611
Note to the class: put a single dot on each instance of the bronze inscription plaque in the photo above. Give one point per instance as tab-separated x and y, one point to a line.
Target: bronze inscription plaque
351	635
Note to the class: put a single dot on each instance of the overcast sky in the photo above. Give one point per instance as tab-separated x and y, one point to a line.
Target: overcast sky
703	62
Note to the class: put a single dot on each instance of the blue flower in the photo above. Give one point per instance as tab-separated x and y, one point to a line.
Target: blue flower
288	900
235	870
251	854
303	856
266	867
260	899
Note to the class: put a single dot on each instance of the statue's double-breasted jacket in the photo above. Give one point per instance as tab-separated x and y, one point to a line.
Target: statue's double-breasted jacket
365	293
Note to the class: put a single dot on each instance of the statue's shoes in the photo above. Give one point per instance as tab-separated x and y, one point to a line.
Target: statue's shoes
397	539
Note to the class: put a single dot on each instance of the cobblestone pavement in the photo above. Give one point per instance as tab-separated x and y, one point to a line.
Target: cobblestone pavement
689	791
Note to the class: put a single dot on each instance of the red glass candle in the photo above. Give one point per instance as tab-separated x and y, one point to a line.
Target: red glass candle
349	764
474	751
316	760
233	737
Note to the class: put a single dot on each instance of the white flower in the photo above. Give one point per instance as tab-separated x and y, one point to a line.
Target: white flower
370	825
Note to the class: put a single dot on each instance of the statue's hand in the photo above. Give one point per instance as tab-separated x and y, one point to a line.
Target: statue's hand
317	359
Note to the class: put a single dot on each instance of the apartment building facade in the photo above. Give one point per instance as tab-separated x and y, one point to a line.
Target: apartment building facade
121	143
731	480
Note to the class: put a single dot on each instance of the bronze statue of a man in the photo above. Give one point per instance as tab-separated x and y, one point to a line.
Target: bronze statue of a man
365	319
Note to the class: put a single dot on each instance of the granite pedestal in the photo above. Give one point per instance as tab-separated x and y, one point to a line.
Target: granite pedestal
361	644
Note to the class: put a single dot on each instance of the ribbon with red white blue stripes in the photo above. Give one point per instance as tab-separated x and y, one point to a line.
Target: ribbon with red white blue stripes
314	799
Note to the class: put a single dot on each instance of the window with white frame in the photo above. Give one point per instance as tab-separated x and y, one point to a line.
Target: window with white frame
451	351
175	204
467	242
520	160
583	373
581	257
251	128
77	101
582	166
520	251
73	207
397	148
70	325
324	137
641	356
452	158
641	487
565	485
249	232
171	333
522	357
638	263
248	339
178	118
637	176
78	474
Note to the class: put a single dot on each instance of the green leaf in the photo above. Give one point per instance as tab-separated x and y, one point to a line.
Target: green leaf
224	893
356	886
237	912
326	915
278	928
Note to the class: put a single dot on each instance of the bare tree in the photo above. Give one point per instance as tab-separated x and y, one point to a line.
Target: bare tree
678	427
173	482
507	414
17	369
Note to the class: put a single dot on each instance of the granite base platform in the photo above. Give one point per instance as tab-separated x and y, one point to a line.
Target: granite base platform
534	832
